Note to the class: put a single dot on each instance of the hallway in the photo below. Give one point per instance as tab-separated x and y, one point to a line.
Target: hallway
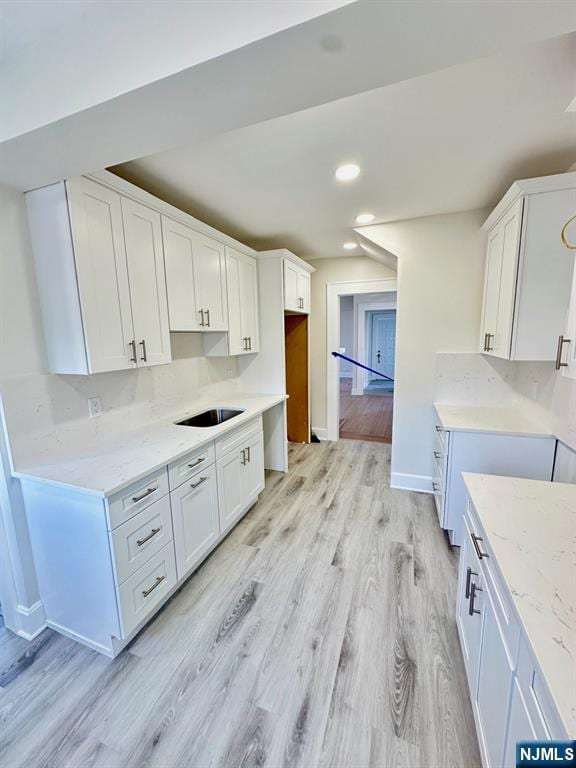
365	417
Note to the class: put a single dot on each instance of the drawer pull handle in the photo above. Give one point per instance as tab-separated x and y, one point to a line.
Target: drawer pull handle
147	492
208	318
243	460
132	344
198	461
437	455
144	355
435	486
473	589
249	455
469	574
151	535
195	485
488	347
159	580
475	540
201	313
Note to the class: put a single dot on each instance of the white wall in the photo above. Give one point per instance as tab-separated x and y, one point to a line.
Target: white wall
331	271
440	284
347	334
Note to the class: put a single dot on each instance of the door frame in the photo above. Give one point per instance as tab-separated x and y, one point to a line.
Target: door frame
333	293
361	308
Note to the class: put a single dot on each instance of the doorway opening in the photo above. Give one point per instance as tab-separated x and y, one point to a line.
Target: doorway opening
368	337
361	326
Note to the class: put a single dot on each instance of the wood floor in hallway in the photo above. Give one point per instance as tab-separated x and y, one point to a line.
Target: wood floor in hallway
320	633
365	417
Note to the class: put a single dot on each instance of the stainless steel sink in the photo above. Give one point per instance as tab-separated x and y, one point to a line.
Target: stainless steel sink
210	418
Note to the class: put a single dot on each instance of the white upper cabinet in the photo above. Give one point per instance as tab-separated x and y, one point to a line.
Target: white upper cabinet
196	279
178	240
296	288
145	256
242	337
528	271
102	274
566	349
101	282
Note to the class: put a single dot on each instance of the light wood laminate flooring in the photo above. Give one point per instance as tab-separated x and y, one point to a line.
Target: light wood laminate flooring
365	417
321	632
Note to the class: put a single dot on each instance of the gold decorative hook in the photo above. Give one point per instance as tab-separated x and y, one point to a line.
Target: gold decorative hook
563	234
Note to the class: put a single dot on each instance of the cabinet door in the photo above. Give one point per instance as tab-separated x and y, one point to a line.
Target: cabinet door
291	286
230	497
511	226
102	273
236	333
491	289
183	309
469	625
494	681
252	477
567	354
249	302
195	519
304	291
145	255
520	727
210	277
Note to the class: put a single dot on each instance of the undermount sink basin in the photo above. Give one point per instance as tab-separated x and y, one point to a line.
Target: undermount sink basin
210	418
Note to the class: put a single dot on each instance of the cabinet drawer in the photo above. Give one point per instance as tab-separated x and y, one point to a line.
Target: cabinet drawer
235	440
183	469
137	540
141	593
538	701
441	438
124	505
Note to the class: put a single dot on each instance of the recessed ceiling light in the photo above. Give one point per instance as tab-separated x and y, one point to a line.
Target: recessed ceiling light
347	172
350	246
365	218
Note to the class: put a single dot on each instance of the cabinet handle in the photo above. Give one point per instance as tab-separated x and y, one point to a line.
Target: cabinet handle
435	486
485	342
250	343
243	459
439	428
143	345
195	485
159	580
201	311
133	345
147	492
245	343
249	455
151	535
208	318
488	347
469	574
437	455
473	589
475	540
195	463
561	342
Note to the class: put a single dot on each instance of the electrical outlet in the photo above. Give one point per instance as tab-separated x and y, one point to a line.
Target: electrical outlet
94	406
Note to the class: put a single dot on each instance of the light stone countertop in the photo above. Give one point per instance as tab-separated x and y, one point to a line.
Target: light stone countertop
511	421
117	464
531	528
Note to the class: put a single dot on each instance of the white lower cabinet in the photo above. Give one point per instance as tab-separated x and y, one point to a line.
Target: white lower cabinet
509	697
106	565
240	479
195	519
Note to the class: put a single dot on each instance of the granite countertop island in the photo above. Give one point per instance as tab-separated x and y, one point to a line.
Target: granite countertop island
115	464
511	421
531	528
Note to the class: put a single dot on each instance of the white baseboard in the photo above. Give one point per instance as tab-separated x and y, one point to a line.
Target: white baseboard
402	481
320	433
31	620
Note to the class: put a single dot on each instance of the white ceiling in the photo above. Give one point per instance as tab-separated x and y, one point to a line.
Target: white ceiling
448	141
61	56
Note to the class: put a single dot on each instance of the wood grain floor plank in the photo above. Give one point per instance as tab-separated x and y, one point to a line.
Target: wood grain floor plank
320	633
